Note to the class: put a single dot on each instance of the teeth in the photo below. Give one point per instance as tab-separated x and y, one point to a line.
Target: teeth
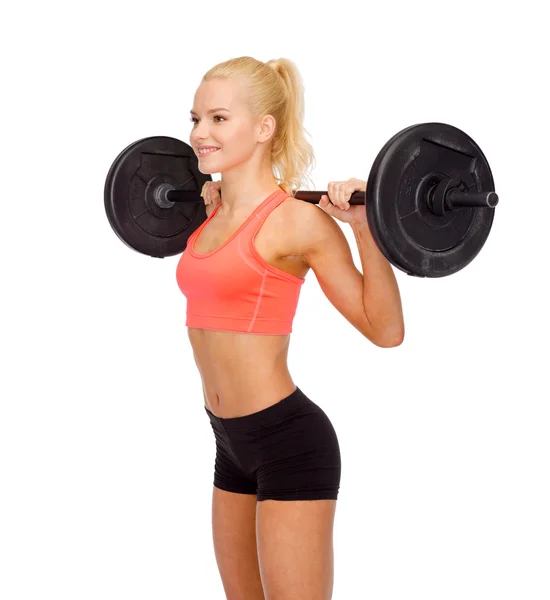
209	150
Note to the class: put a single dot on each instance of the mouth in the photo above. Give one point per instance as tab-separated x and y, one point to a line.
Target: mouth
203	154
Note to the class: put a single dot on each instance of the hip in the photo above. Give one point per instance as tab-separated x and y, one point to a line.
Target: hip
295	428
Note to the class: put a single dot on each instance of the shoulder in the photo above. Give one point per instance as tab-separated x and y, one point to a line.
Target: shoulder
308	228
304	216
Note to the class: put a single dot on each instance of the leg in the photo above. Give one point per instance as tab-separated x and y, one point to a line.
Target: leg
234	523
289	454
234	533
298	482
295	545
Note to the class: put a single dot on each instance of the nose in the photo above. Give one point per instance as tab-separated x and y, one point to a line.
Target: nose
197	135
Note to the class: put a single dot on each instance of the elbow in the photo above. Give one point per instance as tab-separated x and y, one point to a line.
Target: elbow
384	335
390	339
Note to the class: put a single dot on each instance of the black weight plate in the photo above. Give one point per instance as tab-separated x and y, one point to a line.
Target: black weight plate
130	203
409	235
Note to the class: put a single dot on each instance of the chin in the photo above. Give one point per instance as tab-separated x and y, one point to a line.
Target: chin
206	171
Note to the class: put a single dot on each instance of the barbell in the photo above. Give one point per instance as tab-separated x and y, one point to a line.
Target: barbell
430	198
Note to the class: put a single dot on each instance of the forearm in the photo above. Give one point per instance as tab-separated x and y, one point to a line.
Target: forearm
381	297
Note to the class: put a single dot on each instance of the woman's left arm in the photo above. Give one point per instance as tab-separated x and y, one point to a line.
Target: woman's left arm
380	293
381	297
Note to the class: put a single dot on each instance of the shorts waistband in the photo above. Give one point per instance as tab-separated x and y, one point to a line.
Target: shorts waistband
276	411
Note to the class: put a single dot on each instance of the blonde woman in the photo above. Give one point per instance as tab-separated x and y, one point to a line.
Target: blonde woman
277	469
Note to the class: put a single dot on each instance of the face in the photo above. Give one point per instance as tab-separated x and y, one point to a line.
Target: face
234	131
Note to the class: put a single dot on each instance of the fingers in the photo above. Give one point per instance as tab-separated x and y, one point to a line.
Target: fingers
204	187
211	192
326	204
340	192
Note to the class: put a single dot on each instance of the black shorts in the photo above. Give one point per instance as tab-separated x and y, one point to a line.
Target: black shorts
287	451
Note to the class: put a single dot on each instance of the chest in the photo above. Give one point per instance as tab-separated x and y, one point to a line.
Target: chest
274	241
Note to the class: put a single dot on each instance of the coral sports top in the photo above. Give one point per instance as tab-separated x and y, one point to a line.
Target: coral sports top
232	288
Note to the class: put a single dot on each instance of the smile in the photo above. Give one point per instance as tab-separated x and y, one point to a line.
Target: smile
202	152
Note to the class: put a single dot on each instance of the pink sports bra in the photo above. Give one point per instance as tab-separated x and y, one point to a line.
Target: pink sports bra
232	288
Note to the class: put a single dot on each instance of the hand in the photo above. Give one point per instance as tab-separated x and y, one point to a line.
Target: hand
211	194
337	203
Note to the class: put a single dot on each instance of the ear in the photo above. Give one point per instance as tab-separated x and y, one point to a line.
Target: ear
267	128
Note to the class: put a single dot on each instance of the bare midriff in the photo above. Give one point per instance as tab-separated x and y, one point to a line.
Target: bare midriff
241	373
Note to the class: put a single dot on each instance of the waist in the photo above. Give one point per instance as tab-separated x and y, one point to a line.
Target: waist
240	372
246	397
260	416
222	353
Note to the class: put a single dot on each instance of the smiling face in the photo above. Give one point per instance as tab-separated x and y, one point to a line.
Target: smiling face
233	130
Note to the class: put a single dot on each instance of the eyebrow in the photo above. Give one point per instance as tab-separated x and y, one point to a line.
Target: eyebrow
211	111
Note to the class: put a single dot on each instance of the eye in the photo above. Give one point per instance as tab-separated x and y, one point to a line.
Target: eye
193	119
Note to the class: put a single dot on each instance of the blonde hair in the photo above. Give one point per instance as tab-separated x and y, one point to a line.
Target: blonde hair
276	88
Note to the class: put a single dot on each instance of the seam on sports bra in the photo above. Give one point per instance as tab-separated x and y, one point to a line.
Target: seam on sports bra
258	302
233	318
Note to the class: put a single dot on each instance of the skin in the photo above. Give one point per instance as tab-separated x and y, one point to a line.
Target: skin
276	550
235	366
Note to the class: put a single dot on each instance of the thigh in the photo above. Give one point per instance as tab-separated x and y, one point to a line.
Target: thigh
295	548
234	536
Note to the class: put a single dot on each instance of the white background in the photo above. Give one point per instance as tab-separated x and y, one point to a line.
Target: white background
106	455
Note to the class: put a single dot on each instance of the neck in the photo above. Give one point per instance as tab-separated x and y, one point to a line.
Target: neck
243	191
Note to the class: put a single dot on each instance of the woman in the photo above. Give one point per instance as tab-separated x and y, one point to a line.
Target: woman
277	469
